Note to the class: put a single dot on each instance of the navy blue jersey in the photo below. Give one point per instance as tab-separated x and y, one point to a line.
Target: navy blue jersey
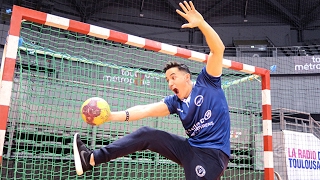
204	114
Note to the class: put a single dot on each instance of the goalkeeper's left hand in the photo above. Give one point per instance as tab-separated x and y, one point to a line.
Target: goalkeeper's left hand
190	14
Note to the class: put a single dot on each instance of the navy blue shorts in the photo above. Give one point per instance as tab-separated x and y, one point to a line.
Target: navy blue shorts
198	163
204	163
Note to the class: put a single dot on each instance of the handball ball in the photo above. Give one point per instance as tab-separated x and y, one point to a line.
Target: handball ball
95	111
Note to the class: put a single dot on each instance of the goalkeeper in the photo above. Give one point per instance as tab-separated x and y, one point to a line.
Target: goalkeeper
201	106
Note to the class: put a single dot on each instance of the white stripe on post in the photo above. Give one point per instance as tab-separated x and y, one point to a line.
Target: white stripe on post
99	32
198	56
57	21
226	63
266	97
5	93
268	159
248	69
12	42
2	136
168	49
267	127
136	41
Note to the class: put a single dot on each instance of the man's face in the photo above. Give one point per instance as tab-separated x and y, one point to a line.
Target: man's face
178	82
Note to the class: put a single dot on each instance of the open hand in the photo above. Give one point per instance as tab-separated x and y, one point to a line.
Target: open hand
190	14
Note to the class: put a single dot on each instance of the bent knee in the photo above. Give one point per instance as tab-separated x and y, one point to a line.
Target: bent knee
146	129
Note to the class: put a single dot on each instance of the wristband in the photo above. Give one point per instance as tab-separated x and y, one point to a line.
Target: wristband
127	115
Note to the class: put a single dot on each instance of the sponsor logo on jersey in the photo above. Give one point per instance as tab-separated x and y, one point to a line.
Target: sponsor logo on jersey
198	100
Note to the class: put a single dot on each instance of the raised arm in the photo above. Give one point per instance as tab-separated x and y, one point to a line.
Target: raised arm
195	19
158	109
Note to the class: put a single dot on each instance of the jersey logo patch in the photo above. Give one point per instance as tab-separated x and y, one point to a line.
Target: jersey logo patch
207	115
200	171
198	100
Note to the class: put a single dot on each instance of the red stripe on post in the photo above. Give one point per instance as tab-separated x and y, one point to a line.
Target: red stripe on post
32	15
236	65
15	22
267	142
185	53
266	112
152	45
269	173
265	80
118	36
79	27
8	69
4	112
260	71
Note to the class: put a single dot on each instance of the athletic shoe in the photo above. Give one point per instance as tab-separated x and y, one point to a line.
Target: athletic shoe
81	155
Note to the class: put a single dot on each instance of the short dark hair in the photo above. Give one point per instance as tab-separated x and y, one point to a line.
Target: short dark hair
181	67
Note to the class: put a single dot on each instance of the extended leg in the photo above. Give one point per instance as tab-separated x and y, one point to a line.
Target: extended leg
167	144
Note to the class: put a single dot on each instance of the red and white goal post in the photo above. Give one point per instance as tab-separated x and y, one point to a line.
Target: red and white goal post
20	14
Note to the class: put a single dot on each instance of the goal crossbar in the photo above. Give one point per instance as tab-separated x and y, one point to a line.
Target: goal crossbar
20	14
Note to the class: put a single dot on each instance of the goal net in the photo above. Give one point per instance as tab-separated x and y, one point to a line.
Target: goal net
53	64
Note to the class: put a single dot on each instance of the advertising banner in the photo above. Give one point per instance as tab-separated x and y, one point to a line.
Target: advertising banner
306	64
302	155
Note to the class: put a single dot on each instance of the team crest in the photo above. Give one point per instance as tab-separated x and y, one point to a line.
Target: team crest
200	171
198	100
